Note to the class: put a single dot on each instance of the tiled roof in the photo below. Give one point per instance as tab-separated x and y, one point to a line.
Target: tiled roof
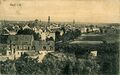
20	39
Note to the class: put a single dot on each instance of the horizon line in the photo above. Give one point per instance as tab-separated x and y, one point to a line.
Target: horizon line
60	21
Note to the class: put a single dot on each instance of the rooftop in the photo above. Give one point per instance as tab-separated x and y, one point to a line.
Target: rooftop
20	39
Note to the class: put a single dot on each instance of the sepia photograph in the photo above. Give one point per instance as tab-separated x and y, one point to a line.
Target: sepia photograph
59	37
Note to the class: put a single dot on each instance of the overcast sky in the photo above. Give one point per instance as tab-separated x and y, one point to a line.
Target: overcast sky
107	11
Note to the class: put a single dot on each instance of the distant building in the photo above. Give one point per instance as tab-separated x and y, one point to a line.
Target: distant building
18	44
83	30
94	53
43	35
95	29
48	46
46	32
26	27
89	29
9	31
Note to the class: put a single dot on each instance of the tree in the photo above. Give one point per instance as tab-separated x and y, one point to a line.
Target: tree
57	36
26	65
8	67
91	27
108	58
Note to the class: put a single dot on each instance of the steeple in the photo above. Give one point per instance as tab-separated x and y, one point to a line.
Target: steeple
48	20
73	22
48	24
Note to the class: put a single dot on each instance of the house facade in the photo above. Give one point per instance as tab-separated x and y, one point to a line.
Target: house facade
19	44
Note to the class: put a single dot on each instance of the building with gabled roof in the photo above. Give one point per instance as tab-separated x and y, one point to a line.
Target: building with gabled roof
18	44
20	39
26	27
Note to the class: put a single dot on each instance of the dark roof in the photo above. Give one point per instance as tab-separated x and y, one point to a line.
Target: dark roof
3	39
50	39
20	39
47	42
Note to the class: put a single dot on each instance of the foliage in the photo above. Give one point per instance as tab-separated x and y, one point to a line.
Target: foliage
26	65
57	36
7	67
67	64
107	55
71	34
109	58
51	65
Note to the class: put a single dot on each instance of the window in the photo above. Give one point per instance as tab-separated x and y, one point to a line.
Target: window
28	47
9	53
44	47
17	47
14	50
8	46
25	47
20	47
22	53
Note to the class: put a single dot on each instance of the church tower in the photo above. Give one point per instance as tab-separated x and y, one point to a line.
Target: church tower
73	22
48	20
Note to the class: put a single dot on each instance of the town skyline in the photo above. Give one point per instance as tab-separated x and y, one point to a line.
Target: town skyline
95	11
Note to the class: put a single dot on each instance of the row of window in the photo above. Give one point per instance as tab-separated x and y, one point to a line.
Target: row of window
50	48
10	53
23	47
